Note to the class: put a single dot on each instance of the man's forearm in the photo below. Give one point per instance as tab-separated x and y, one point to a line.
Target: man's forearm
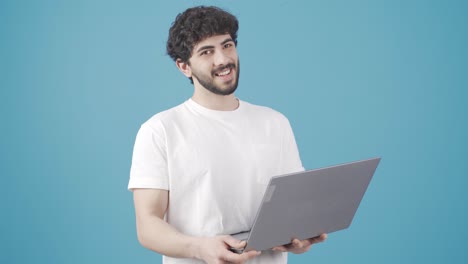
157	235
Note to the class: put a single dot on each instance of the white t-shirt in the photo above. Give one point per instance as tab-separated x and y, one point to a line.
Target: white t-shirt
215	164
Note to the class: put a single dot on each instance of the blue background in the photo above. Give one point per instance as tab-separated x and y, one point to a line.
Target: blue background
357	79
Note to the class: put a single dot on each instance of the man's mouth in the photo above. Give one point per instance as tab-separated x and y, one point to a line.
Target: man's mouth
224	72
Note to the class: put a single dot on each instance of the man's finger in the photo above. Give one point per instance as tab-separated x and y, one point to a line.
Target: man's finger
297	243
238	258
232	242
280	248
318	239
251	254
232	257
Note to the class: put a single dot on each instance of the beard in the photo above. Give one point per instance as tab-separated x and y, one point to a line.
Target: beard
208	81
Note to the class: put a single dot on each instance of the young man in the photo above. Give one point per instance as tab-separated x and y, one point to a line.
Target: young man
199	170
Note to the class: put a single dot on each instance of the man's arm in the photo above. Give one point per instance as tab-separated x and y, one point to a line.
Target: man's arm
156	234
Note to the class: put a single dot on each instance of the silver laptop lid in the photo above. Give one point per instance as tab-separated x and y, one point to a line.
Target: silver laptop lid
306	204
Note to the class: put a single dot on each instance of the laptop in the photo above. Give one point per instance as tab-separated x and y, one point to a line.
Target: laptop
306	204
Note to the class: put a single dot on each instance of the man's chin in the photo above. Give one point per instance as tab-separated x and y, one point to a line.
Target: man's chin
229	90
226	90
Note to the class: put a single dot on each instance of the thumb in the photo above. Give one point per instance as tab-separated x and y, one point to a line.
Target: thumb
235	243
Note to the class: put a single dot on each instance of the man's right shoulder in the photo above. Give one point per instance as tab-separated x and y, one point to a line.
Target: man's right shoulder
166	116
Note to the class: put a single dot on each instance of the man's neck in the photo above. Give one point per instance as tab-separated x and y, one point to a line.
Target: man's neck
217	102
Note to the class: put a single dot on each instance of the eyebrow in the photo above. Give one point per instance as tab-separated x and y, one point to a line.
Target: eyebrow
211	46
226	41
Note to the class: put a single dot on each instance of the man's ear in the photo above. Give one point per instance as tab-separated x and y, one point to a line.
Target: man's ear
184	67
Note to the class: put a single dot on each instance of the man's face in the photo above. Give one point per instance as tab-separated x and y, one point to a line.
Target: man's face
215	65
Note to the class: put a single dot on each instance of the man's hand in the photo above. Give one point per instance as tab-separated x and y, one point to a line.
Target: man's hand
301	246
215	250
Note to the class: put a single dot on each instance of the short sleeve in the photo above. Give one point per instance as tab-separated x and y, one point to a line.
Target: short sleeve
149	161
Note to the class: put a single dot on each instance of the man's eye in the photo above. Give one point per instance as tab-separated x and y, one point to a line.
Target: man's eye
227	45
205	52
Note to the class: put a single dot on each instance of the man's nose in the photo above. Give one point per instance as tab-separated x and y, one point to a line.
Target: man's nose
220	58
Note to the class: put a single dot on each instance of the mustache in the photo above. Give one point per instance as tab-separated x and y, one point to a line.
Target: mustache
222	68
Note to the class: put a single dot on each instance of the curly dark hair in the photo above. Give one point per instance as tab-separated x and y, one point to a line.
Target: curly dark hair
196	24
